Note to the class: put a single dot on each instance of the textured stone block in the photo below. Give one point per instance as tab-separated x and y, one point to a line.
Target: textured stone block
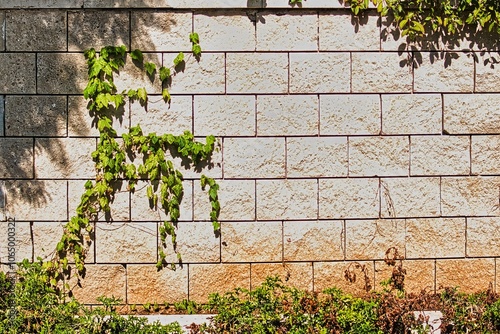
348	198
340	31
97	29
61	73
256	73
236	198
483	236
411	114
2	24
440	155
101	280
378	156
435	238
485	157
454	73
331	274
287	199
16	158
186	4
254	157
38	116
287	115
298	275
487	73
476	113
46	235
304	4
134	76
17	73
386	72
419	275
205	279
126	242
206	76
469	196
469	275
410	197
36	30
225	31
316	157
212	168
145	284
349	114
319	72
313	240
2	116
251	242
42	4
17	237
224	115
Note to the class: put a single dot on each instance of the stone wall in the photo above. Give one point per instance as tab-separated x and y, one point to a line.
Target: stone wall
338	141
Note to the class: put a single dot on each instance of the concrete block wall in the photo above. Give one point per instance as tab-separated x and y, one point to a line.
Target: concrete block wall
335	146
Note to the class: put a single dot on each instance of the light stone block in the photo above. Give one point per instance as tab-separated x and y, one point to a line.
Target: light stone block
349	198
134	76
379	156
313	240
487	73
40	116
316	157
320	72
224	115
350	114
101	280
287	199
287	115
475	113
251	241
470	196
97	29
16	158
468	275
126	242
411	114
254	157
225	31
206	76
17	237
46	235
298	275
390	36
410	197
236	198
332	274
69	78
17	73
145	284
435	238
455	73
36	30
2	116
185	4
205	279
419	275
291	32
485	157
160	31
440	155
304	4
256	73
341	31
370	239
483	236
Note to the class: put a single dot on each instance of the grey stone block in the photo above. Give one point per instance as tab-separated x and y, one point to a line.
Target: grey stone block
61	73
16	158
17	73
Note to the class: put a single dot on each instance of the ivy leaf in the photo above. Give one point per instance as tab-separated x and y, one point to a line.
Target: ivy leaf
194	38
179	59
166	95
196	50
150	68
137	55
164	73
142	95
132	93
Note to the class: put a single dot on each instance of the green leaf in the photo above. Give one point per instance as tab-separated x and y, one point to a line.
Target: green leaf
137	55
164	73
150	68
196	50
179	59
149	192
132	93
194	38
166	95
142	95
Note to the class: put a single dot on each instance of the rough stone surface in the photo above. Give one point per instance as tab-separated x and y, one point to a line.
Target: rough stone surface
17	73
189	4
316	156
97	29
349	114
298	275
313	240
205	279
133	75
381	72
19	239
485	157
411	114
487	73
64	158
348	198
225	31
16	158
410	197
469	275
41	4
35	116
61	73
46	235
440	155
2	30
475	113
287	199
254	157
469	196
331	274
101	280
224	115
287	115
2	116
35	30
145	284
378	156
257	73
319	72
483	236
236	198
160	31
435	238
419	275
251	241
